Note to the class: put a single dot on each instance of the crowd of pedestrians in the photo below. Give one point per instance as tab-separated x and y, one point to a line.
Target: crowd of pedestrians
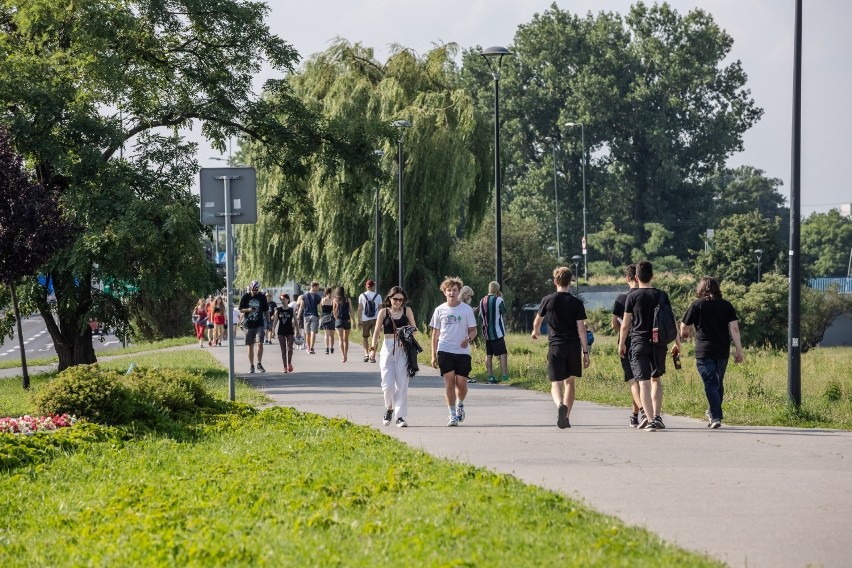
388	327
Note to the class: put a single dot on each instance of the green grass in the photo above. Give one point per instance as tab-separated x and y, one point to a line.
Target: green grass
15	402
282	488
132	348
755	391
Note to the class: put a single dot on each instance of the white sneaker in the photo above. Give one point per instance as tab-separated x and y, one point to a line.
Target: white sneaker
460	412
453	421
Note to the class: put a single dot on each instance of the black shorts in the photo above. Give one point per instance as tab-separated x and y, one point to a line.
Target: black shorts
564	361
495	346
327	323
342	324
625	365
647	360
449	362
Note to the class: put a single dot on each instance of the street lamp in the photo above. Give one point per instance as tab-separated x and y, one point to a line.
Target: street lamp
552	143
378	154
583	142
576	258
490	54
402	125
759	253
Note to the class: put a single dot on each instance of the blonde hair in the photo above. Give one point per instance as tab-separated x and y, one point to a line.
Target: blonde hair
466	291
451	281
562	276
494	288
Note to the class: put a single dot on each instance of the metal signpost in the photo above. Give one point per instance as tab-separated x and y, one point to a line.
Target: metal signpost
236	204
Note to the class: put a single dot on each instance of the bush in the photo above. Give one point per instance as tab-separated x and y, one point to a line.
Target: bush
90	392
146	397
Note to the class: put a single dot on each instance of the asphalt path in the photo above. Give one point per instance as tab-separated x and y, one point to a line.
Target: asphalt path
38	343
749	496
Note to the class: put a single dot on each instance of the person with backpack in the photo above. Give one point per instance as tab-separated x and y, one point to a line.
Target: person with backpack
715	323
649	323
369	303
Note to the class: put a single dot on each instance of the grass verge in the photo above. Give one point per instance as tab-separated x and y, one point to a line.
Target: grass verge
284	488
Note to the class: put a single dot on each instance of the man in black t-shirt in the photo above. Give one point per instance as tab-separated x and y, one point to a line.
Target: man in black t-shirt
715	321
253	306
566	339
617	319
647	359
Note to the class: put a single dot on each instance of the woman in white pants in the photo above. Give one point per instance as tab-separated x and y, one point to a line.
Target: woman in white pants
393	360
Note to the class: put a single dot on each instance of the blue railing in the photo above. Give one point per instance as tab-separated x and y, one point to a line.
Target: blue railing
843	285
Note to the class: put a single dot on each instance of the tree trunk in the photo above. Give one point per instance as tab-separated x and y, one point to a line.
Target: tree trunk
72	336
24	372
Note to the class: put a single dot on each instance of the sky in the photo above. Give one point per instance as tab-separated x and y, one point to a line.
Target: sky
763	41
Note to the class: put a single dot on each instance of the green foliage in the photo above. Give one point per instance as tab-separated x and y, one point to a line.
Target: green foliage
743	190
826	244
290	488
731	255
18	451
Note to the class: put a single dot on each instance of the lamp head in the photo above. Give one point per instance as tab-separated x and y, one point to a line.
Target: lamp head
401	124
495	52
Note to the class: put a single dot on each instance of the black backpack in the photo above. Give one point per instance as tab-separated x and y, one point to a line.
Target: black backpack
370	305
665	325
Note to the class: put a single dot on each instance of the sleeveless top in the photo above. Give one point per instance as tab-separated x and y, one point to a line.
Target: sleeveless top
343	310
388	323
326	310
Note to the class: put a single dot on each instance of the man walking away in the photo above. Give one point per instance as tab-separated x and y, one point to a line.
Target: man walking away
491	310
637	413
308	310
369	304
647	358
253	306
566	341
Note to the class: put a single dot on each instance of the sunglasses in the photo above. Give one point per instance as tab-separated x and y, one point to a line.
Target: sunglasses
397	299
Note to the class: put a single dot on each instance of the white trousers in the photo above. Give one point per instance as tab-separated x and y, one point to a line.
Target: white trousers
394	368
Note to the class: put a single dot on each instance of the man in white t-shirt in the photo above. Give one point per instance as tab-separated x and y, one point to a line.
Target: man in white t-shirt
369	304
453	327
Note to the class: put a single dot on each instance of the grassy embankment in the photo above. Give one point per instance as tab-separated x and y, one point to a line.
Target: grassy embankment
279	487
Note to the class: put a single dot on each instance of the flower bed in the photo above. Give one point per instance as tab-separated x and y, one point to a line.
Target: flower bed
32	424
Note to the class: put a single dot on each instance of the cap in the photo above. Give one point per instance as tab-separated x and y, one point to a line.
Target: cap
370	283
255	285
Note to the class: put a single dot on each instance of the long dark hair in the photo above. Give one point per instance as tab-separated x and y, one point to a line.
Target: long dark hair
708	289
340	292
393	292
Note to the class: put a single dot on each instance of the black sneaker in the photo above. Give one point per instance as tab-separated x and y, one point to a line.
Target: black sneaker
260	368
659	422
251	369
715	424
387	418
643	422
401	423
562	417
652	426
634	420
366	358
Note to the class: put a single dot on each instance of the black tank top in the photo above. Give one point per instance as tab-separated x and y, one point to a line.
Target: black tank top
388	322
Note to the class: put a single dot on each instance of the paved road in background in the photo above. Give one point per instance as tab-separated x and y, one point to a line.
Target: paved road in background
749	496
38	344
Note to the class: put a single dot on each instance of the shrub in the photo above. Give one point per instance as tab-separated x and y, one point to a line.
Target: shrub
172	390
90	392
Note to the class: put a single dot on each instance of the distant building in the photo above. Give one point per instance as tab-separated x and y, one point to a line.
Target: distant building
846	209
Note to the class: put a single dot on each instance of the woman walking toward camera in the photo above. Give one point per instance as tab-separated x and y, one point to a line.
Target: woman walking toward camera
218	320
715	322
342	310
393	360
199	319
282	323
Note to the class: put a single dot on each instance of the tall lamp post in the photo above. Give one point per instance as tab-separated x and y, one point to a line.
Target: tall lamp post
497	53
402	125
759	254
583	147
552	143
378	154
576	258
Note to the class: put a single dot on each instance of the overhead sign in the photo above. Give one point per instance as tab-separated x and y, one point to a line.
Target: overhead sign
243	195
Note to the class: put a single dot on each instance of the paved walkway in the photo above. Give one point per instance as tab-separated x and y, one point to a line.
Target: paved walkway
751	497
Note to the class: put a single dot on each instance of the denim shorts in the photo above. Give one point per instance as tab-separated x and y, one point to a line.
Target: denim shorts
311	323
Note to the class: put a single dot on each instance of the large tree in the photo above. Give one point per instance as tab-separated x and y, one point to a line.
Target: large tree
730	254
31	230
661	106
83	80
826	244
321	227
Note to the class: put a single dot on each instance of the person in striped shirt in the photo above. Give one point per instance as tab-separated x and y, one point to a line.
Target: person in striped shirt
491	310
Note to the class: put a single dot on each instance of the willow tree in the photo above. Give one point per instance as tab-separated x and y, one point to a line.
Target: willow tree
320	226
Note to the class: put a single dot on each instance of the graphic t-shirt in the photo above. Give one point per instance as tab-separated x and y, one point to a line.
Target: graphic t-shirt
285	321
562	311
711	319
258	306
453	325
